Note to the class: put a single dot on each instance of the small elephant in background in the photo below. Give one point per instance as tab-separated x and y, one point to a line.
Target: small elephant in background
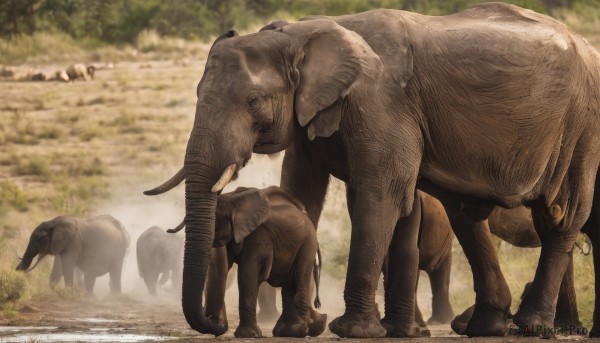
96	246
159	254
80	71
268	234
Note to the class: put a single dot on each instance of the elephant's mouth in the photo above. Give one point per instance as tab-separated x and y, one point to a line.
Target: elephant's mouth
268	148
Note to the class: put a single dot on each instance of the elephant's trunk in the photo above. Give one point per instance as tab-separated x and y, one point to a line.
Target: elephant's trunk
199	234
30	253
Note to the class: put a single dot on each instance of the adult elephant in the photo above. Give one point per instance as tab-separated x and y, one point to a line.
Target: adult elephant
96	246
159	255
495	105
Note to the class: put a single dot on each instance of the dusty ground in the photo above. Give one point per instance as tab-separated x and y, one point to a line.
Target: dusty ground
123	319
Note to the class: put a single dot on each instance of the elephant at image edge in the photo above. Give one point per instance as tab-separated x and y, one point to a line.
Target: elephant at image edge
268	235
384	98
159	255
96	246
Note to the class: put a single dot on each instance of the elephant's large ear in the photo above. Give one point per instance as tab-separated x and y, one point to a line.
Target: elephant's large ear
62	231
251	209
335	61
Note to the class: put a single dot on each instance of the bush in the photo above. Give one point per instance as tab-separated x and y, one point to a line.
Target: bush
13	286
11	196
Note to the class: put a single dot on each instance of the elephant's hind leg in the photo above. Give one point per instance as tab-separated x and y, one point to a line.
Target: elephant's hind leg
115	274
439	279
290	323
151	279
567	315
493	298
557	226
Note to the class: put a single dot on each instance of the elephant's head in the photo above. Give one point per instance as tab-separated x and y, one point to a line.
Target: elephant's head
239	213
255	90
49	237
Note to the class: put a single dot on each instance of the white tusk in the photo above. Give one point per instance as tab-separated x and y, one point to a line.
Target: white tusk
177	228
225	178
168	185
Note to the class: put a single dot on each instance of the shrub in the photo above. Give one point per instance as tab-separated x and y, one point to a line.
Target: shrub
35	165
11	196
13	286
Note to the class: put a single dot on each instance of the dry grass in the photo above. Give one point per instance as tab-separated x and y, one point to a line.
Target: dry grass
65	148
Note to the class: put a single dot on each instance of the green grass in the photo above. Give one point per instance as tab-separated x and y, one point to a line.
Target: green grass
11	196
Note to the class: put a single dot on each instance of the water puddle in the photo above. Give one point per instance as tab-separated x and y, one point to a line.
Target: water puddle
10	329
82	337
96	320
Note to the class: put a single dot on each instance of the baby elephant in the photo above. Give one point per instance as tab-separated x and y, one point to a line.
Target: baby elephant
267	233
96	246
159	254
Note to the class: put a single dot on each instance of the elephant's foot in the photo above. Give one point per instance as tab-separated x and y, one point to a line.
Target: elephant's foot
530	323
481	320
400	330
595	332
348	326
319	321
441	317
287	328
460	322
267	315
569	325
248	331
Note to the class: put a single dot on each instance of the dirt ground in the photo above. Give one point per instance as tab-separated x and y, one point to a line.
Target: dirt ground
124	319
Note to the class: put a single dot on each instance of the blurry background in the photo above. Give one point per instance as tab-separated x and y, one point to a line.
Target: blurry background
87	148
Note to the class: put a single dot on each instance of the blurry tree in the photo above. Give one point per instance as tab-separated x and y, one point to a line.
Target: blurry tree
224	12
18	16
121	21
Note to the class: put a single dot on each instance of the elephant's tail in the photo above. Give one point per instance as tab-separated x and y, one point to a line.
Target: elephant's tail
317	276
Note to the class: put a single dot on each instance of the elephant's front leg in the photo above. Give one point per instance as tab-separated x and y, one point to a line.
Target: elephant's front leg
89	280
248	283
56	271
492	299
68	262
373	219
401	276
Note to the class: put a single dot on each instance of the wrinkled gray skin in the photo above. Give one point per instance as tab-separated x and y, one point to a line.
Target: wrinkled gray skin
495	105
159	258
96	246
268	235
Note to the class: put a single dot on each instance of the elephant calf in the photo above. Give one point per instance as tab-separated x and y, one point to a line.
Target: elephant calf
267	233
159	254
96	246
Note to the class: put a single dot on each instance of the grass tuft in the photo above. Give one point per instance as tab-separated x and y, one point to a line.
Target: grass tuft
11	196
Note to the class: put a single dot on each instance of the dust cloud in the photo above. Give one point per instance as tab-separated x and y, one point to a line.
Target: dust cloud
138	212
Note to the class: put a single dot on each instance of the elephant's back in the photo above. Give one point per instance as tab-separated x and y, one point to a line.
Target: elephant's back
104	240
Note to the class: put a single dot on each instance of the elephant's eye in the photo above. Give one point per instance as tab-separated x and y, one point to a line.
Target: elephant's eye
252	103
